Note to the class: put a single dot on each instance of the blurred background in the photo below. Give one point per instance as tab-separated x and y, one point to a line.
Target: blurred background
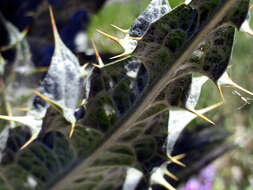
234	170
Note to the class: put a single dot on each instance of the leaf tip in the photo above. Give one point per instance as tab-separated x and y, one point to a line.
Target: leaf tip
55	31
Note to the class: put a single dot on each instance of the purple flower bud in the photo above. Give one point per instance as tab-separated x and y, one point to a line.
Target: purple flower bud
193	184
208	174
204	181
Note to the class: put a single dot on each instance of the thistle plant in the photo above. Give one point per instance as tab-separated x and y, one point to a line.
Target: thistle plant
114	125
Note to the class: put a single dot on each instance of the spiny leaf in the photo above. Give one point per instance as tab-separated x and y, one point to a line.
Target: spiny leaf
17	77
22	65
184	103
14	37
123	101
63	80
111	140
61	86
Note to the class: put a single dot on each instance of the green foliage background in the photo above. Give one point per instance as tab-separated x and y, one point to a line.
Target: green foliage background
238	170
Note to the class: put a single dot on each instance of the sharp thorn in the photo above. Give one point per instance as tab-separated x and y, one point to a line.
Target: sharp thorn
171	175
118	61
24	32
8	118
83	67
85	73
98	66
52	18
220	92
176	161
236	86
212	107
158	178
121	55
84	102
25	109
40	70
28	142
95	48
135	38
226	80
55	31
20	119
179	156
120	29
201	116
99	60
165	184
168	186
109	36
72	129
48	100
